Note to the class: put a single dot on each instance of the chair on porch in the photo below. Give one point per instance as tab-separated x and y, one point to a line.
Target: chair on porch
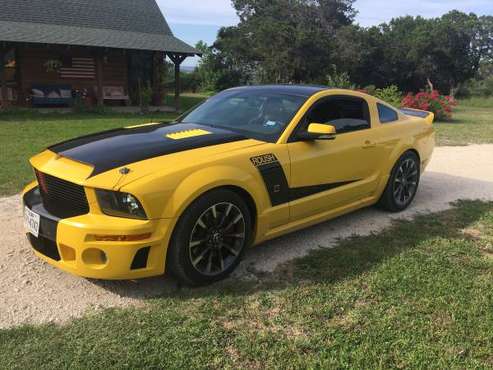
114	93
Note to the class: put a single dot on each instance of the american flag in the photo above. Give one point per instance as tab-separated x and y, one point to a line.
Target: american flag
81	68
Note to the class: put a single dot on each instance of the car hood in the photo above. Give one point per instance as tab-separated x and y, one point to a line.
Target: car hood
115	158
117	148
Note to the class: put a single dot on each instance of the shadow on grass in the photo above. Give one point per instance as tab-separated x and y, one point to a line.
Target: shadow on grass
349	258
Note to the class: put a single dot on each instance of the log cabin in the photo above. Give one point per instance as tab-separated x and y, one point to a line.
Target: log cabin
55	51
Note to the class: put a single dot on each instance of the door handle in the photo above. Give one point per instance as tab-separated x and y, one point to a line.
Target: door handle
369	144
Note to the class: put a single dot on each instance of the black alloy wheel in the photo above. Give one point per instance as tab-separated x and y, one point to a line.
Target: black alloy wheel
210	238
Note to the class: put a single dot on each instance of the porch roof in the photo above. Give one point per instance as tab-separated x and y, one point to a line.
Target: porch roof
122	24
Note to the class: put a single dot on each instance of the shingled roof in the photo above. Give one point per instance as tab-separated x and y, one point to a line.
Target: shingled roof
122	24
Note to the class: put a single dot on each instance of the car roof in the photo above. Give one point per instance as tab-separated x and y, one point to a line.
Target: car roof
301	90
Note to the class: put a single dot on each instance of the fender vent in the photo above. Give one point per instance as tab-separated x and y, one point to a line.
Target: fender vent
140	259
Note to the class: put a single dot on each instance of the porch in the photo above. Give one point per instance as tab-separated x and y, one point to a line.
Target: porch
56	77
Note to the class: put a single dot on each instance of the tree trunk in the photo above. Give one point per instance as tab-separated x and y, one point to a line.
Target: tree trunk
430	85
454	90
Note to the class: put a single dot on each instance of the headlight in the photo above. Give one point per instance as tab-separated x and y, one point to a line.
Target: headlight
118	204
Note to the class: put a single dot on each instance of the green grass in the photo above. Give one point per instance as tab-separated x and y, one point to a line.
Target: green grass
478	102
23	134
472	124
419	295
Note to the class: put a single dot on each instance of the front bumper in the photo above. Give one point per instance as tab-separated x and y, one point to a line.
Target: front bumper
70	245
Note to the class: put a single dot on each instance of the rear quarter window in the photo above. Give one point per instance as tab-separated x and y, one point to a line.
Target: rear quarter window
386	114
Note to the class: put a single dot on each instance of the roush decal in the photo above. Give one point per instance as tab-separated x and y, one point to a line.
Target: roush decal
277	184
263	160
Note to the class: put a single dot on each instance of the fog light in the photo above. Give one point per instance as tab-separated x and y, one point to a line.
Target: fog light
68	254
94	257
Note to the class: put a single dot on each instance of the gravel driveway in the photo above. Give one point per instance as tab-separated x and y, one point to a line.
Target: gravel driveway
32	292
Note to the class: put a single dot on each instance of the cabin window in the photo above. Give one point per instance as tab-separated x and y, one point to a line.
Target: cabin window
386	114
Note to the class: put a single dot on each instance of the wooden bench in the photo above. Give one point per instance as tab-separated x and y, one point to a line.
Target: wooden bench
115	93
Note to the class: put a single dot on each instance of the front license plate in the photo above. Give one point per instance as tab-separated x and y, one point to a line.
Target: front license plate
31	221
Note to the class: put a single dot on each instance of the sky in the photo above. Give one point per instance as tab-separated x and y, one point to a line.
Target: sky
193	20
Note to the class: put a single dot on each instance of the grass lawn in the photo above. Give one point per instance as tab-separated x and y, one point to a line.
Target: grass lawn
472	124
25	134
419	295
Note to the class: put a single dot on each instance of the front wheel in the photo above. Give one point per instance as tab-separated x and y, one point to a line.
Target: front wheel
403	184
210	238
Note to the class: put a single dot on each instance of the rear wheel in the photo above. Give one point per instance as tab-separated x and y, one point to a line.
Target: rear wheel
210	238
403	184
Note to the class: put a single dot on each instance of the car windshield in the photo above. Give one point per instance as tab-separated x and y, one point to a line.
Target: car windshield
257	114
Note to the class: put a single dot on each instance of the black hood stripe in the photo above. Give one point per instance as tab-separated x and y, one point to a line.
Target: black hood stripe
116	148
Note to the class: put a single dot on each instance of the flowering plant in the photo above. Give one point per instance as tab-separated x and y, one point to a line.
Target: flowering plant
441	105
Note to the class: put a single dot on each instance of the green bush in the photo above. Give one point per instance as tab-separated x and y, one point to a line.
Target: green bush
339	80
390	94
145	95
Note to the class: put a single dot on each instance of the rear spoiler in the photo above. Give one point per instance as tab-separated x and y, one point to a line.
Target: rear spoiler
428	116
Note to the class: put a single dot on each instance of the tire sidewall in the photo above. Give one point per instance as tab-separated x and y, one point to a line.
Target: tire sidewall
394	205
178	261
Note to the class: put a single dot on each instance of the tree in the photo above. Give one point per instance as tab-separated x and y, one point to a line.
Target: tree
216	71
409	51
284	41
483	40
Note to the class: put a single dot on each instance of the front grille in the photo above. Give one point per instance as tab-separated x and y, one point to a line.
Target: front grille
45	246
61	198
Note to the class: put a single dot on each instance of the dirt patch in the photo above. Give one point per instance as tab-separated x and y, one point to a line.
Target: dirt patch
33	292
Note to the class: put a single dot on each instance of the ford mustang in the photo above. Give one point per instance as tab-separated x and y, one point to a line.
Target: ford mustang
247	165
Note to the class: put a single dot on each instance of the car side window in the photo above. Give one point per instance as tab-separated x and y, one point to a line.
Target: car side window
386	114
345	113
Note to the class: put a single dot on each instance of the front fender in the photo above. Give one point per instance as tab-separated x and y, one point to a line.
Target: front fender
167	196
202	181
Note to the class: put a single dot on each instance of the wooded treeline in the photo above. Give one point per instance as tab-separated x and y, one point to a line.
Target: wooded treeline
317	41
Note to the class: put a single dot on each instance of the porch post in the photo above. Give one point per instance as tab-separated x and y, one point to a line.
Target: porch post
177	59
99	77
3	81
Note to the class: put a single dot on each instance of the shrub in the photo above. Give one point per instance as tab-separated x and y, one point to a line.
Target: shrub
441	105
145	95
339	80
370	90
390	94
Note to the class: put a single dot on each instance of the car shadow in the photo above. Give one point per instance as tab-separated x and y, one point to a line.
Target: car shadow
271	265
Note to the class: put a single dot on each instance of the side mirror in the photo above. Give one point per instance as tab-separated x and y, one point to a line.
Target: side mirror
318	131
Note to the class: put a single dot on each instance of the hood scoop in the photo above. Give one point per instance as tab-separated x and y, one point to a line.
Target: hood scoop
180	135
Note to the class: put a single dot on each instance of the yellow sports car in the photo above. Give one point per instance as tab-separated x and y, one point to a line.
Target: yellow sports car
247	165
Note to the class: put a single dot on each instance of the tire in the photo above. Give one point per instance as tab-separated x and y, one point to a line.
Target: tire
210	238
403	184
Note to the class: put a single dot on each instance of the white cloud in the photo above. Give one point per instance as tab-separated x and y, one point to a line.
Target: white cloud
205	12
